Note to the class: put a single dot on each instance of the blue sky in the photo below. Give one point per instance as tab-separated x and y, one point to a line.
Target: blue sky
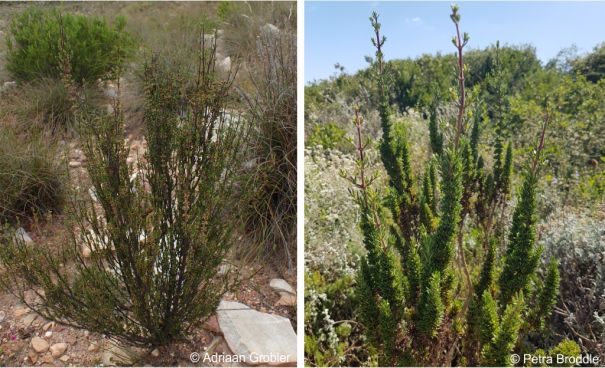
340	31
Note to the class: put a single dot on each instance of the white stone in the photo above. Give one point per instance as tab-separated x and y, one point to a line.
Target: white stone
286	299
120	356
48	334
280	285
224	269
58	349
40	345
8	85
256	336
22	236
155	353
225	64
93	194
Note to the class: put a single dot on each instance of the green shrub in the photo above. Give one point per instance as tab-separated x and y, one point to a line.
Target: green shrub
332	338
419	301
160	229
566	348
96	50
328	136
32	177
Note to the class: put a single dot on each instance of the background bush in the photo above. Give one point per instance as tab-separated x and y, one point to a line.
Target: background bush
577	239
272	111
96	49
32	177
46	104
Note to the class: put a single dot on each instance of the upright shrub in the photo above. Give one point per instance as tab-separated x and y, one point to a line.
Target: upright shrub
163	226
32	178
96	49
419	301
272	110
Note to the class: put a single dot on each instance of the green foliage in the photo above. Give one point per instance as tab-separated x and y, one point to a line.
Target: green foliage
566	348
498	351
226	9
32	179
160	229
442	240
330	338
430	307
328	136
96	50
489	321
522	254
548	294
419	296
388	334
592	66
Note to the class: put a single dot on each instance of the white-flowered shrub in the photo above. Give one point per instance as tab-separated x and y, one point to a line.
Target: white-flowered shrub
577	240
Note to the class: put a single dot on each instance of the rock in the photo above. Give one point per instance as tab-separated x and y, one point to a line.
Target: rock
76	154
21	311
8	85
48	359
48	334
74	164
225	64
155	353
281	285
259	338
224	269
22	236
39	345
93	194
211	325
287	300
120	356
111	90
208	39
64	358
29	319
33	356
93	347
86	252
58	349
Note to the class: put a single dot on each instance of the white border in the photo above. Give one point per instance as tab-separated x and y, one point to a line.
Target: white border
300	183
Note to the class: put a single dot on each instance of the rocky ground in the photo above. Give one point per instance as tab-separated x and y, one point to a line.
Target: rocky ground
27	339
267	310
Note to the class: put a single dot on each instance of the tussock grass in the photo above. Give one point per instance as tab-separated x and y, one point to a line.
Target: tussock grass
32	176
